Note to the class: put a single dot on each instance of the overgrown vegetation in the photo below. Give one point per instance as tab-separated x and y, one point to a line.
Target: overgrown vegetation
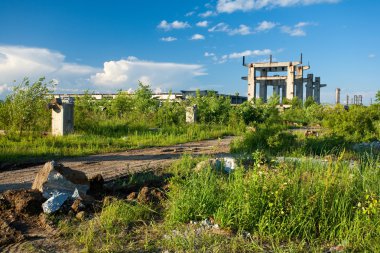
326	194
302	206
128	121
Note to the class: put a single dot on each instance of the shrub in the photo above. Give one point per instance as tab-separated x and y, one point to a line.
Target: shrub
26	108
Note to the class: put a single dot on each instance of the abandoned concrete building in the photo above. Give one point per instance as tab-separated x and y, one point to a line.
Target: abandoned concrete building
183	95
288	85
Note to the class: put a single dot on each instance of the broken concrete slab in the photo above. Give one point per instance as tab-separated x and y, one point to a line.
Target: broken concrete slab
54	178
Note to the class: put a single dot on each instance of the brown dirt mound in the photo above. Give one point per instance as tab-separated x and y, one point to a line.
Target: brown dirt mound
24	201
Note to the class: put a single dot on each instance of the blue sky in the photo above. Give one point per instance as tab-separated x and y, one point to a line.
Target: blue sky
104	46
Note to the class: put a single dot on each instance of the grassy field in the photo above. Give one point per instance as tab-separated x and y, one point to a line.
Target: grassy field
277	207
322	196
108	137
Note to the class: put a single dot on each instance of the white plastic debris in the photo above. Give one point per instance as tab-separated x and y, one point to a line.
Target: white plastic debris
228	164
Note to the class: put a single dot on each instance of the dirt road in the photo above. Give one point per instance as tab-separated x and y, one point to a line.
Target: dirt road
114	165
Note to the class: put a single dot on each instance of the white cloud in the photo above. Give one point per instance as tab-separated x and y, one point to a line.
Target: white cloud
229	6
222	27
17	62
202	23
297	30
5	88
250	53
242	30
168	39
207	14
174	25
265	26
302	24
164	75
371	56
224	58
212	56
190	13
197	37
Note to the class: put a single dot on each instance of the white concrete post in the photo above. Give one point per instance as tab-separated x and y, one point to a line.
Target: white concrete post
290	83
62	116
251	83
191	114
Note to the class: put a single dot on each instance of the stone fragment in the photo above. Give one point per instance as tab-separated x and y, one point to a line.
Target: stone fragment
144	195
132	196
81	215
78	206
54	203
54	178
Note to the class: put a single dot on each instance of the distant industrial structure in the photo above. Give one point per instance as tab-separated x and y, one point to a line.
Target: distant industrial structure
286	86
183	95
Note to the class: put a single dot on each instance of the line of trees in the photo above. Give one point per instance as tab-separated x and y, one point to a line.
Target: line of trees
24	111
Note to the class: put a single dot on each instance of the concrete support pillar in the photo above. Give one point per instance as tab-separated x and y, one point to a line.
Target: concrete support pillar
283	91
290	83
337	96
317	90
299	83
62	116
276	90
263	86
309	86
191	114
251	83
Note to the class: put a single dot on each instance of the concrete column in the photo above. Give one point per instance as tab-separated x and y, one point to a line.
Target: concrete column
317	90
263	86
283	90
337	96
191	114
299	83
309	86
276	89
290	83
251	83
62	117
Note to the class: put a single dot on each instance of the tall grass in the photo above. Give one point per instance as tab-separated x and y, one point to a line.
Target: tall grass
107	138
307	202
108	231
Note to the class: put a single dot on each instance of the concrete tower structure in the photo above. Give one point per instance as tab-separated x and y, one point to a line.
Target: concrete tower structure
287	79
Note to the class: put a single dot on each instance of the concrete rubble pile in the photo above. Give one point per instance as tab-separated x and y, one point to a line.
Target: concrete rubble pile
59	184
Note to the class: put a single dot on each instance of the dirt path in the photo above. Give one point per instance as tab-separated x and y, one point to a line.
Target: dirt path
114	165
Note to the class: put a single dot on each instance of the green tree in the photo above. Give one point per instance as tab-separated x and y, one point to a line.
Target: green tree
212	108
377	97
142	99
122	104
25	108
309	101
